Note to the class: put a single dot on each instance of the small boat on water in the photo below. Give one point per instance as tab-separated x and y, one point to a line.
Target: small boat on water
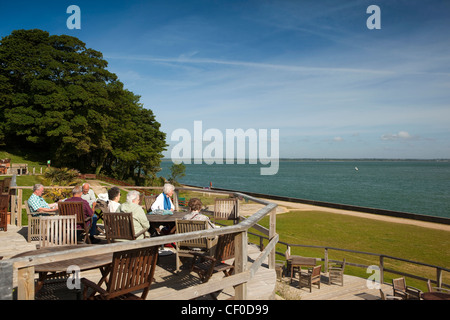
356	168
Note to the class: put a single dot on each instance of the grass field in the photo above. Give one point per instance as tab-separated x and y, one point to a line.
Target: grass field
414	243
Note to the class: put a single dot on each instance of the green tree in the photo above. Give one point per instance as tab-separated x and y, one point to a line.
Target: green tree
177	171
58	98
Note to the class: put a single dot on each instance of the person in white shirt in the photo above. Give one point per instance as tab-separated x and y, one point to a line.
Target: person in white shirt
89	195
114	198
163	201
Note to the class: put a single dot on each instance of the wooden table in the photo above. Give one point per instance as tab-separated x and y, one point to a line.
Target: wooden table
101	261
164	218
435	296
299	262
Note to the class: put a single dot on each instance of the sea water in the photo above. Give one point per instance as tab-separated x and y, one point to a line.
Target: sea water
421	187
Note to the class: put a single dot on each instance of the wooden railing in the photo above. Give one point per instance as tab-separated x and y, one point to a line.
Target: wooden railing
381	259
24	267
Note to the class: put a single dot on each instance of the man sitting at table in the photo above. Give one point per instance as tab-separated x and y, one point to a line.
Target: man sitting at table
88	212
140	220
89	195
37	204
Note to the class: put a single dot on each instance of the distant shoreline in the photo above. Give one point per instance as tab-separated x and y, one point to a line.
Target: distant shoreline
333	160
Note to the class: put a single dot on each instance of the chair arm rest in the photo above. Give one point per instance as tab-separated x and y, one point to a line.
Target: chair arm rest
412	289
140	233
89	284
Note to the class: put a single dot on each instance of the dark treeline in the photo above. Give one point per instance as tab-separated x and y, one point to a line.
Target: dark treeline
58	100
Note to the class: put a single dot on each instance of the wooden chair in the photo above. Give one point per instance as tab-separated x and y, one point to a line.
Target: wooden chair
205	266
120	226
336	272
436	289
310	278
403	291
4	206
226	209
130	271
33	224
385	296
57	231
148	201
185	248
70	208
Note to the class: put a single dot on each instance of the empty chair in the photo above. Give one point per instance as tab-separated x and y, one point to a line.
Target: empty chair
131	272
120	226
436	289
4	205
206	265
336	272
148	201
385	296
57	231
226	209
309	278
403	291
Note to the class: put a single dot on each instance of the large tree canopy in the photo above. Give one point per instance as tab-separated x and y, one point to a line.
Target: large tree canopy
57	98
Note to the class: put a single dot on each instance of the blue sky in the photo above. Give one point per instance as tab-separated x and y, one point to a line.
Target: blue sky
311	69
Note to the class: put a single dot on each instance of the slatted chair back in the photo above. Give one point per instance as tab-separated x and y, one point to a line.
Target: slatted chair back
131	271
4	205
57	231
148	201
184	226
33	224
118	226
6	184
184	248
225	247
70	208
226	209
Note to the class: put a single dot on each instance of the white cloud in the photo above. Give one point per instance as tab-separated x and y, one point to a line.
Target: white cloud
401	135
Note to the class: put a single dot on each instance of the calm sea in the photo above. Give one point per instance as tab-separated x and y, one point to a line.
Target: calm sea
421	187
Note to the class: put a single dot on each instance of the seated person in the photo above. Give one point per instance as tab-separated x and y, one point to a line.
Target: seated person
88	212
140	220
163	201
37	204
195	205
89	195
114	198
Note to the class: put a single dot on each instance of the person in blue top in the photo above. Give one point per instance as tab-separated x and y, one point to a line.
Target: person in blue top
163	201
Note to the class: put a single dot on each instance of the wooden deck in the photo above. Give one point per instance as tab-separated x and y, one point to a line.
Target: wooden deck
167	283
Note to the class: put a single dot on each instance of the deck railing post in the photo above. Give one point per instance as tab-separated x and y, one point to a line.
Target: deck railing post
326	260
438	277
25	283
240	242
272	233
381	269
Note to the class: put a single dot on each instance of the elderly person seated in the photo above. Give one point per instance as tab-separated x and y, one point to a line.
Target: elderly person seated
163	201
89	195
77	193
140	220
37	204
195	205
